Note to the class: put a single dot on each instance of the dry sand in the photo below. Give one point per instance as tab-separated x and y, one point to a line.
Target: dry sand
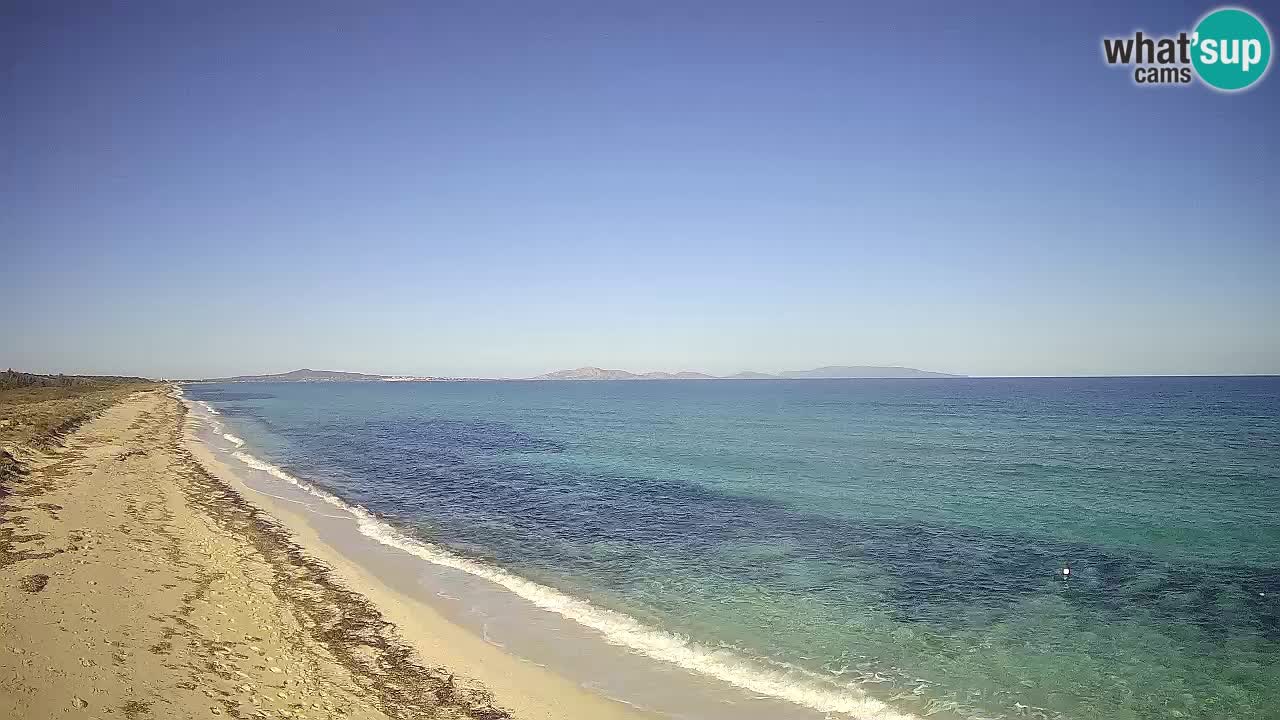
135	583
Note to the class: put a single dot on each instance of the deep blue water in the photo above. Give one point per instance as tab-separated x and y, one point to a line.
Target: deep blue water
910	532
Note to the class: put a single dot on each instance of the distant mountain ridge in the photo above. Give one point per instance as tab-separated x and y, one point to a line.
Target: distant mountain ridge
309	375
752	375
827	372
596	373
865	371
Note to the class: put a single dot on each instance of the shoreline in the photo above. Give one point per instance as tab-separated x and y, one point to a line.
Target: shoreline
639	672
134	582
145	512
529	690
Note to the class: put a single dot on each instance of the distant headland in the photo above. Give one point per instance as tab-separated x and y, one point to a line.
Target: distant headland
309	375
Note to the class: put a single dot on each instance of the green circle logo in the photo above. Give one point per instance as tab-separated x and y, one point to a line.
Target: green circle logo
1232	49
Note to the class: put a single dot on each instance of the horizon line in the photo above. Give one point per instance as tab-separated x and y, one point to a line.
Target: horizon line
536	378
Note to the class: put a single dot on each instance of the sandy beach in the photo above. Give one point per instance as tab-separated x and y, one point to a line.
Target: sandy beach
136	581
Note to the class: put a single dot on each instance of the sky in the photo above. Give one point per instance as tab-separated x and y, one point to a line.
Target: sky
502	189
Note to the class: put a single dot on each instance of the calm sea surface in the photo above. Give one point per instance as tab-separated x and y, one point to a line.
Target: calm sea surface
904	536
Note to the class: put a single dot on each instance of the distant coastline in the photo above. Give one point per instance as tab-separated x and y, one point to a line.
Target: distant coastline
309	375
589	373
831	372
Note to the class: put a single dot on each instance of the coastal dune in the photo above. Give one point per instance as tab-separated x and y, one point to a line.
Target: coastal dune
134	583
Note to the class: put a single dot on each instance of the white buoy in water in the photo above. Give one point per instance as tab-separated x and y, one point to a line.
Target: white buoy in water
1066	572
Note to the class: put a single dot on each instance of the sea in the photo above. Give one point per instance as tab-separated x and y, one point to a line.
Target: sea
1087	548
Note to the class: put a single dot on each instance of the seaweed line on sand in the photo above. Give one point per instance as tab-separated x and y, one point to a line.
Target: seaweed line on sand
342	620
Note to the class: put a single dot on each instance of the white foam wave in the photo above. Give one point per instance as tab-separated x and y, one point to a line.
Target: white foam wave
233	439
796	686
209	408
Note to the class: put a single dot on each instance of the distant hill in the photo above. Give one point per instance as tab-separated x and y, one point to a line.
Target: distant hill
309	375
864	371
683	375
595	373
587	373
833	371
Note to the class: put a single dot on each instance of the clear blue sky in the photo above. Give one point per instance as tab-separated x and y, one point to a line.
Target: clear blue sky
482	188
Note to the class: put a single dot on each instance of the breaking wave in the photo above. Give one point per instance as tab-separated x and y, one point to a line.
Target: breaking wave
784	683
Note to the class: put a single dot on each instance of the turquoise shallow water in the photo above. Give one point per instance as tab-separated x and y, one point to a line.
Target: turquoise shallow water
905	535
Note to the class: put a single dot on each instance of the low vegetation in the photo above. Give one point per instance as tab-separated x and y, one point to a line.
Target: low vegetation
38	410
